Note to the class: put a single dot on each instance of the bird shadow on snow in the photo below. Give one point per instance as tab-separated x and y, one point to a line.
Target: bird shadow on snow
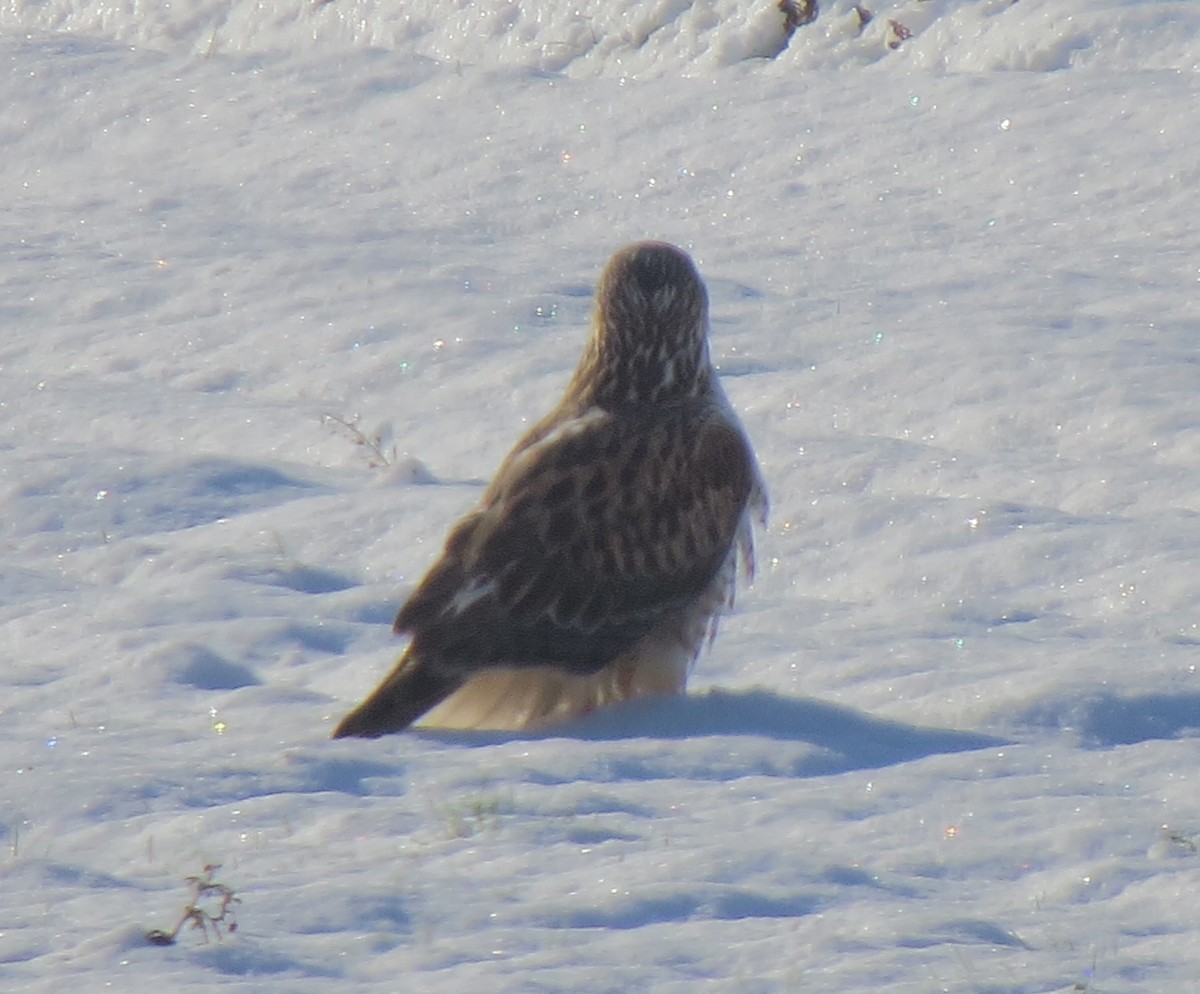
845	739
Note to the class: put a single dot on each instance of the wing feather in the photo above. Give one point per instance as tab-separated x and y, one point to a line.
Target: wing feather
585	539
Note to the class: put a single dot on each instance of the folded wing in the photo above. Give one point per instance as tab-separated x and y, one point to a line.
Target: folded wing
585	540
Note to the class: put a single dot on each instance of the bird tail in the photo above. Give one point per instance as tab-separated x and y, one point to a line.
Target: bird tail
408	692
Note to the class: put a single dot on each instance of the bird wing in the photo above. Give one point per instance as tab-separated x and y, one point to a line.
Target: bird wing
584	541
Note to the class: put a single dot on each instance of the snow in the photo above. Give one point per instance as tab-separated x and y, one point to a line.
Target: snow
947	741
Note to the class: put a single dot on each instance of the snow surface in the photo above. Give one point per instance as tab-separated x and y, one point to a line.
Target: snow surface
948	741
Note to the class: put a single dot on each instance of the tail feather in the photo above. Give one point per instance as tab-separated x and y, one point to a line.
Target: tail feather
501	698
407	693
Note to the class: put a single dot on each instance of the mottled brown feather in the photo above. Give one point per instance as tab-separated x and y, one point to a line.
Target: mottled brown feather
575	583
605	545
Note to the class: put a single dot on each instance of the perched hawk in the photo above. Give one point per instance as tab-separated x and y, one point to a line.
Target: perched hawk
603	552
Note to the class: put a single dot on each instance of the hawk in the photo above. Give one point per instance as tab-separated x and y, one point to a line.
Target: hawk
602	554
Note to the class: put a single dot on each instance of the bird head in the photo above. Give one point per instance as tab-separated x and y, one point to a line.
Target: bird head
650	330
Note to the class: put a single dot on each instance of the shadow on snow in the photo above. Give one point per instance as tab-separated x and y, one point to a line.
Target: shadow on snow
1102	720
845	739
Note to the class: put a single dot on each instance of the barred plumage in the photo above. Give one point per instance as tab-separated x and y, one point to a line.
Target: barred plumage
604	550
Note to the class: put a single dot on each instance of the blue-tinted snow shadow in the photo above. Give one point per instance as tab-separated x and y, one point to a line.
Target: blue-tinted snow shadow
681	904
305	772
845	739
1104	720
121	496
248	958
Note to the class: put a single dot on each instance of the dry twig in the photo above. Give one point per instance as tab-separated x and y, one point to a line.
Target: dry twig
217	915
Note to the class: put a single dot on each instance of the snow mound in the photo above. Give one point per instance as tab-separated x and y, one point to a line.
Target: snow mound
630	38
